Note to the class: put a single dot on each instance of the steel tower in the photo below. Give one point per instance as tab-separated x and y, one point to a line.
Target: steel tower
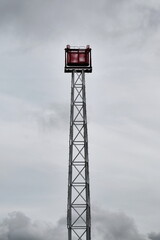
78	62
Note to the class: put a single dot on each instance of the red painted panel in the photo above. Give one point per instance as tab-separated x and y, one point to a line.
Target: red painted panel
77	57
73	57
82	57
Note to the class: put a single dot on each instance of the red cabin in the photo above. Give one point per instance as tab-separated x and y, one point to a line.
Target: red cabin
78	58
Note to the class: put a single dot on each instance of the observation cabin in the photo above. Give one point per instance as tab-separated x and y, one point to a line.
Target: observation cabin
78	58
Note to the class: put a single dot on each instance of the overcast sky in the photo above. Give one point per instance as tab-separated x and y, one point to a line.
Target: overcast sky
123	106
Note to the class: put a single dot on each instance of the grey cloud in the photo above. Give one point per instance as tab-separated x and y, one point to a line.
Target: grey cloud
106	225
53	116
17	226
154	236
52	19
131	18
113	226
32	18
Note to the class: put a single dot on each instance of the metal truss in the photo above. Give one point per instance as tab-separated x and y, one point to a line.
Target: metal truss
78	212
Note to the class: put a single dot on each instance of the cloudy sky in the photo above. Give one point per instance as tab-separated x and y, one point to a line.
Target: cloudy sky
123	106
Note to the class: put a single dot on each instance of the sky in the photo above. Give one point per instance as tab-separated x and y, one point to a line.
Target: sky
123	110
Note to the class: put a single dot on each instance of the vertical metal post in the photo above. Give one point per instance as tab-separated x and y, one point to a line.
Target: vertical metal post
78	210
